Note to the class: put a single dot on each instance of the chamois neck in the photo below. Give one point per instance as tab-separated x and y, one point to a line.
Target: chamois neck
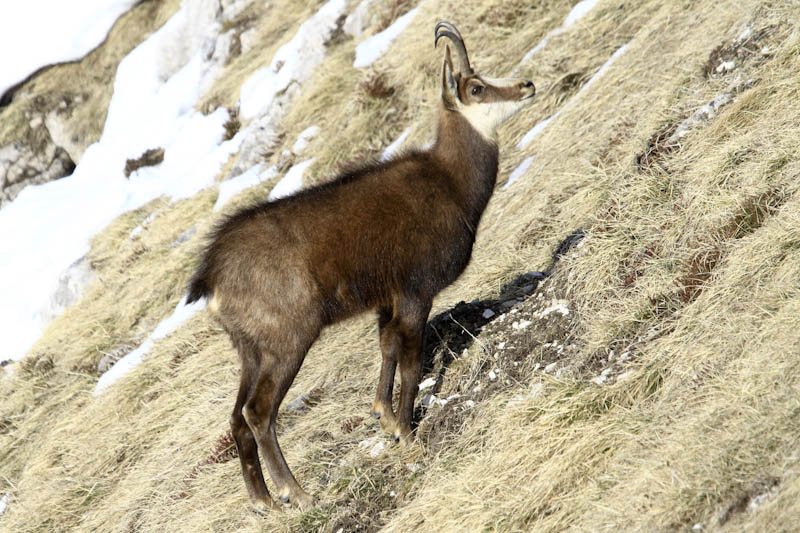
470	158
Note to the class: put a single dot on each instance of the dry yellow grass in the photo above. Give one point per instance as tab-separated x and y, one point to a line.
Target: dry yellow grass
690	266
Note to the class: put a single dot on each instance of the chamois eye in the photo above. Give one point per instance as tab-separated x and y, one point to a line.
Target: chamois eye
477	90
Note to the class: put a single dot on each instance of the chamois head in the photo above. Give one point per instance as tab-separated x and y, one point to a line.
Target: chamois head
485	102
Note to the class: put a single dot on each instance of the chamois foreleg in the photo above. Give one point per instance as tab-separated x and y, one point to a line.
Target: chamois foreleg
275	376
411	316
390	346
245	441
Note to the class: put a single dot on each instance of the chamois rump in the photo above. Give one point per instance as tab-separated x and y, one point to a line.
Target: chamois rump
387	236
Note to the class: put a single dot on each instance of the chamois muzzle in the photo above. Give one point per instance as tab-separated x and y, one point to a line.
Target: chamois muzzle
445	29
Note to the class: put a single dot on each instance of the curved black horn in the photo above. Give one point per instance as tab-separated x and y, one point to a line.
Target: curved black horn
445	29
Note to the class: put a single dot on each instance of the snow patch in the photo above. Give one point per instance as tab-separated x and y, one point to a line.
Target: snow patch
578	11
182	313
537	129
232	187
304	139
556	306
37	33
3	503
155	91
370	50
356	21
518	172
291	182
392	148
427	383
294	62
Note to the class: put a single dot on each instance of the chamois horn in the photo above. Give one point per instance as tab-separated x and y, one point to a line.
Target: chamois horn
445	29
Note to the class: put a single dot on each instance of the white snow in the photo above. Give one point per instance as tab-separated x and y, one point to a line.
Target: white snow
375	445
291	182
63	31
537	129
371	49
392	148
182	313
556	306
230	188
294	62
427	383
518	173
577	12
304	139
48	227
358	19
3	503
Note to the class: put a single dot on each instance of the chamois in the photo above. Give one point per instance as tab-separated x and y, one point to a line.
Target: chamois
387	236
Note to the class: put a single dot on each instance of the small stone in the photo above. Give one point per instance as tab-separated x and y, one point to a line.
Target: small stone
492	375
413	467
469	404
726	66
427	383
377	448
35	122
298	404
501	345
488	313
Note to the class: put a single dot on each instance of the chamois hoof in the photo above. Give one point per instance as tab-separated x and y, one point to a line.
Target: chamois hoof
300	500
262	508
404	438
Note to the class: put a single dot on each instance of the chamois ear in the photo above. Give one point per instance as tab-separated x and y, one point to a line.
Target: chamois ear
449	81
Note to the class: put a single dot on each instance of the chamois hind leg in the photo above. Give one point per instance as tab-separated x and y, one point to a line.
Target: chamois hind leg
275	376
390	345
412	317
246	442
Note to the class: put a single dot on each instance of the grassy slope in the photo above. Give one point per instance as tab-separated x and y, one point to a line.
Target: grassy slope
690	267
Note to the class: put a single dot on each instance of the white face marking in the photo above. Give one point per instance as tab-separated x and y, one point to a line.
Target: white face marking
486	118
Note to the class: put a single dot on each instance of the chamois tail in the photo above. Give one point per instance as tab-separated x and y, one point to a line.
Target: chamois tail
198	285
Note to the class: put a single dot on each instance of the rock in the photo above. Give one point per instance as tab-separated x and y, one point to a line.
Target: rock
298	404
21	166
69	289
185	236
428	400
233	8
64	134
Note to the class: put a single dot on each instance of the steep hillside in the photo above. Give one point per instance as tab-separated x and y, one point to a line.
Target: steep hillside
620	355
